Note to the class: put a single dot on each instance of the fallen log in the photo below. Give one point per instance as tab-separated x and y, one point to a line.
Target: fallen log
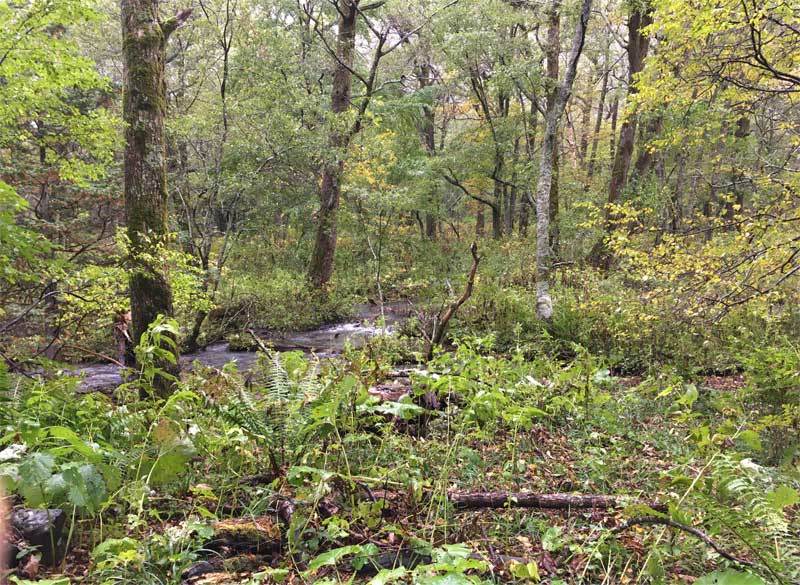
481	500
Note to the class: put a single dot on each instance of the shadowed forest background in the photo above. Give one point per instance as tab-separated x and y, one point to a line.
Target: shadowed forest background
467	291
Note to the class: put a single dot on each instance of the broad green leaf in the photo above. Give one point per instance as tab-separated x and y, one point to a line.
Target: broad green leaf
528	570
76	442
551	539
730	577
388	576
37	468
331	557
782	497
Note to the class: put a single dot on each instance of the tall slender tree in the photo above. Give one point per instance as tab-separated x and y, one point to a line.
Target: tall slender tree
555	111
330	187
385	37
638	44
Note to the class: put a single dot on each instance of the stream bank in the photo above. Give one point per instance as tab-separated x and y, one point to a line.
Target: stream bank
369	321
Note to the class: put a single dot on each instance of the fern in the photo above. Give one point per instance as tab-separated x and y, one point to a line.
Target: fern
276	419
740	502
241	410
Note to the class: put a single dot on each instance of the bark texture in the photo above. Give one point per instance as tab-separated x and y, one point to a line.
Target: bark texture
145	161
598	123
477	500
427	131
551	67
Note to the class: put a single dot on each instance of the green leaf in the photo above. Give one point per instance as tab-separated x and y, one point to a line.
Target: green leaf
528	570
85	487
331	557
58	581
751	439
730	577
37	468
388	576
168	467
448	579
274	575
403	410
551	539
77	443
782	497
113	547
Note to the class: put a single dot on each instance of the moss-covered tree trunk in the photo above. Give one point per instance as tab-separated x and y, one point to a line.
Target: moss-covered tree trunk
144	112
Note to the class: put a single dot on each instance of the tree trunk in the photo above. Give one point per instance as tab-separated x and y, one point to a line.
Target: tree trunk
480	500
427	132
647	156
544	304
598	123
530	141
676	203
44	211
612	144
551	66
741	132
511	193
586	117
497	211
144	111
524	217
321	267
638	44
480	222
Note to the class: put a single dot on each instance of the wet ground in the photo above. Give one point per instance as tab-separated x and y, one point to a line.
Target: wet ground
327	341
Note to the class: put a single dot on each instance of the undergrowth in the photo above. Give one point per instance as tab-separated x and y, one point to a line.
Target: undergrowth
358	486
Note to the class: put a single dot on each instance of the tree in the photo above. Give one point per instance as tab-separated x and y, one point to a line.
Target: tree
144	111
56	141
321	266
544	304
638	44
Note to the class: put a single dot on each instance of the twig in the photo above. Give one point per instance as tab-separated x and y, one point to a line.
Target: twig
94	353
261	345
440	324
696	532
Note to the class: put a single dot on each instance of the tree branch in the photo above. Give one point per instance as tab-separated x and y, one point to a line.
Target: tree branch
170	25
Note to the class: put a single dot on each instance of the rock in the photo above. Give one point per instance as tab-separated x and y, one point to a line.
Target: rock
247	535
198	570
43	528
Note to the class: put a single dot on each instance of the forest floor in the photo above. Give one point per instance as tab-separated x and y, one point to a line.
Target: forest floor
389	522
330	463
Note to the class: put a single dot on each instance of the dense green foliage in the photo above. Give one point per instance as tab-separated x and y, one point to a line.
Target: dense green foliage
669	373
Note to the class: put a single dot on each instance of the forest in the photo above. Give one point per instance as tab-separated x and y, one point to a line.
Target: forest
436	292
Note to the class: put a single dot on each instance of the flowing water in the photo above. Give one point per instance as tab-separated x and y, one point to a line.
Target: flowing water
327	341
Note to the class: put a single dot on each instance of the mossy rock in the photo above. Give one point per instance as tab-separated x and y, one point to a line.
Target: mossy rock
257	535
241	342
220	579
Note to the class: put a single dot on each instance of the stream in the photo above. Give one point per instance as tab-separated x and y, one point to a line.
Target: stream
324	342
